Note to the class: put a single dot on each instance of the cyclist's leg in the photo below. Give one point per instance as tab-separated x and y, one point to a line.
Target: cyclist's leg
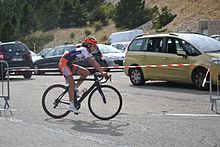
71	82
66	68
83	72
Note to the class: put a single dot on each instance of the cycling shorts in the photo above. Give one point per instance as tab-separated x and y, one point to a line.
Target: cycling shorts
67	68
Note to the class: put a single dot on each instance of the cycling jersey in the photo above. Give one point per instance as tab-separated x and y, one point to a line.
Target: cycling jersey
77	54
65	63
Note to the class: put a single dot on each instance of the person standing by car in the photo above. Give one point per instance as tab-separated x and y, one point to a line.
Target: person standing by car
68	69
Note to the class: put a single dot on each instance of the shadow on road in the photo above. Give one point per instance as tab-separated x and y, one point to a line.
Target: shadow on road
111	127
171	87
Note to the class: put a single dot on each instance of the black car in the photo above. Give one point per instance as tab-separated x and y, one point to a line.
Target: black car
18	56
51	59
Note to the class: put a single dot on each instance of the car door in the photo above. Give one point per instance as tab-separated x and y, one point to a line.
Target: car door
154	58
48	60
146	52
175	71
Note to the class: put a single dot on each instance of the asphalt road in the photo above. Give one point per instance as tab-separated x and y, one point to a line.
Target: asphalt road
158	114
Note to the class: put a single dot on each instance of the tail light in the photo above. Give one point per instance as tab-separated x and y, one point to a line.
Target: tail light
1	53
1	56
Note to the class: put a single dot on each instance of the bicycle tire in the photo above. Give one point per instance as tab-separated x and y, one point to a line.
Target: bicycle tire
48	99
113	103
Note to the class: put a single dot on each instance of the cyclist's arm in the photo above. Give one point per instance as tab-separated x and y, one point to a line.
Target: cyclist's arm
96	65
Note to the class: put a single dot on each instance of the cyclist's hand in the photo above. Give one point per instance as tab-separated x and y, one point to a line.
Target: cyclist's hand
105	74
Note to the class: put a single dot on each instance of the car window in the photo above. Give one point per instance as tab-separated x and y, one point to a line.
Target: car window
59	51
153	45
137	44
69	48
171	45
120	46
190	50
14	48
50	53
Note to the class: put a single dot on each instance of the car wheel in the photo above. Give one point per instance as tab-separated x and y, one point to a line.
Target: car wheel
27	75
136	76
198	77
37	71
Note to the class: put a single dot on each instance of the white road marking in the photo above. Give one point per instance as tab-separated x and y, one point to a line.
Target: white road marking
8	110
185	114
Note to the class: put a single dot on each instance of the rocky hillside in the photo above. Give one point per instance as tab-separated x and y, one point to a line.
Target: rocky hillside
189	13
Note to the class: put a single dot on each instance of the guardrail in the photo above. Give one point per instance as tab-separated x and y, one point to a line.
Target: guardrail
5	90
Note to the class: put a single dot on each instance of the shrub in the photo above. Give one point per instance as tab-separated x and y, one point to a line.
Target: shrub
72	35
87	32
98	25
163	19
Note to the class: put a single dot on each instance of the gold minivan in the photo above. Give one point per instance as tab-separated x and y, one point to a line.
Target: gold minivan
156	57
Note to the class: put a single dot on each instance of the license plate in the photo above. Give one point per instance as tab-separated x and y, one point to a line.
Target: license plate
17	59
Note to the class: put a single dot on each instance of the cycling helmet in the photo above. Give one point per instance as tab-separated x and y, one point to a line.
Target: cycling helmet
90	40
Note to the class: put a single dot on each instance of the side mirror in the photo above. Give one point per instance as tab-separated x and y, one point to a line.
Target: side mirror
181	53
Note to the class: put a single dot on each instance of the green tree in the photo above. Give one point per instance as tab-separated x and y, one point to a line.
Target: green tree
47	15
163	18
27	21
79	14
8	32
98	15
130	13
65	20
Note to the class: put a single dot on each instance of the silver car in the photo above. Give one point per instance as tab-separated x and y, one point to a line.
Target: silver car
111	56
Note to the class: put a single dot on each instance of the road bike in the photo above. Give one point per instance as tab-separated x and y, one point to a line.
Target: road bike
104	101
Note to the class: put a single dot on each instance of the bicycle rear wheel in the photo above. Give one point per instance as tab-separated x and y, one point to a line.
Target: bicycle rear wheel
105	110
55	101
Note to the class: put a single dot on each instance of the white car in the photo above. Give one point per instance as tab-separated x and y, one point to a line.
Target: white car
121	45
35	56
111	55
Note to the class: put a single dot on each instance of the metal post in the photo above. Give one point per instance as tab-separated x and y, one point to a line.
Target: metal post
214	98
5	70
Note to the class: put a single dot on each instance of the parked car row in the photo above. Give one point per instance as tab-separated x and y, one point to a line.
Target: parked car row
105	55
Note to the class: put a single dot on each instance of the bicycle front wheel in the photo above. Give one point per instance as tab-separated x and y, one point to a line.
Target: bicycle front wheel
55	101
107	107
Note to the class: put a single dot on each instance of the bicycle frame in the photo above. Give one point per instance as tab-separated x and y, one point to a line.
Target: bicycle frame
86	93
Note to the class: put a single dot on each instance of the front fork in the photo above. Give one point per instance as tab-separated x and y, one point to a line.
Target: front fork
101	93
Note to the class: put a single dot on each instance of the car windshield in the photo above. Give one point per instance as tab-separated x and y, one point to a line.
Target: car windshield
108	49
14	48
203	43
